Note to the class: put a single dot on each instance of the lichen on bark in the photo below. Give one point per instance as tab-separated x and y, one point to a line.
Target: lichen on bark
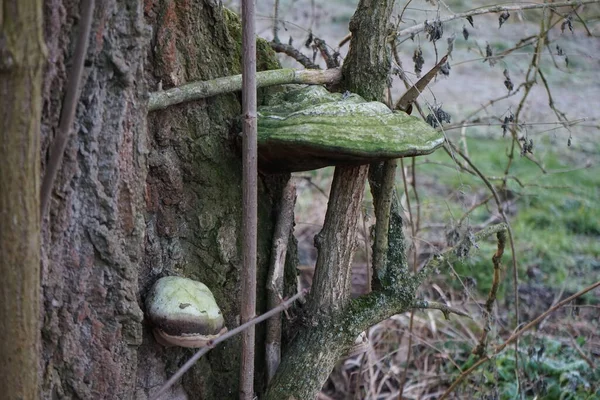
194	188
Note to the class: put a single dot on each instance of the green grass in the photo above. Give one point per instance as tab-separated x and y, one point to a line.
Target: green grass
555	216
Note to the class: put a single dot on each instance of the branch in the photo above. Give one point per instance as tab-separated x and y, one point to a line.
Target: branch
515	336
419	27
283	229
489	304
69	106
411	94
445	309
294	53
395	269
202	89
211	345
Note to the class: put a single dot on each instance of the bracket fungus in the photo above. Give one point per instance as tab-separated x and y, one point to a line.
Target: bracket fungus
310	128
183	312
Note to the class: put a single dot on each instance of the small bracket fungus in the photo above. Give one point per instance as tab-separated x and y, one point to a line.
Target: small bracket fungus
309	128
184	313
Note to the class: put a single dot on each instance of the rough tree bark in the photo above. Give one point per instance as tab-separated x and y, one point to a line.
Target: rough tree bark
93	235
141	197
21	64
137	199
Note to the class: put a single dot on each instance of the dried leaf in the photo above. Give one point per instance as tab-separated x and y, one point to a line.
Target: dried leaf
465	33
502	18
411	94
470	19
419	61
450	41
567	23
445	69
488	51
437	117
508	82
435	30
489	55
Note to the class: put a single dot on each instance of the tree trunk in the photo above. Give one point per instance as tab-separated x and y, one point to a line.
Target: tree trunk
93	236
138	198
330	329
21	64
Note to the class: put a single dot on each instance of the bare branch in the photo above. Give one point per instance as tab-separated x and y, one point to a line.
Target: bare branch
450	255
489	304
294	53
445	309
249	197
69	106
411	94
202	89
283	229
190	363
420	27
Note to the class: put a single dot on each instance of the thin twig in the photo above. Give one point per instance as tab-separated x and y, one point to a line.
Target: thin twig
211	345
515	336
249	198
69	107
474	207
330	60
413	183
505	219
445	309
450	255
419	27
202	89
479	350
283	229
383	208
345	40
276	21
581	353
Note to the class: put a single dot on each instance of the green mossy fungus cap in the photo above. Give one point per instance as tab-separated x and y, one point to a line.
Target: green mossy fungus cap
181	306
309	128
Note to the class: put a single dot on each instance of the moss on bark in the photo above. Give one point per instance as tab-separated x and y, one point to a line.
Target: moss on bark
194	188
